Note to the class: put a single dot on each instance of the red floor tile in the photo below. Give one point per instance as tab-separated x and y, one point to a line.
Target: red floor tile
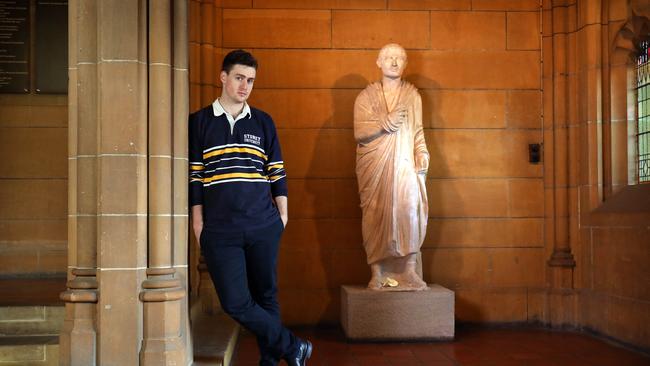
472	347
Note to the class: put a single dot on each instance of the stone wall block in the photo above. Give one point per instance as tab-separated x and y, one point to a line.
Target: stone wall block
467	197
484	232
310	198
332	233
319	4
277	28
123	129
481	153
35	153
463	109
491	305
365	29
316	69
468	30
122	241
523	30
457	70
526	198
118	30
516	267
236	3
345	193
123	182
49	230
33	198
515	5
429	4
524	109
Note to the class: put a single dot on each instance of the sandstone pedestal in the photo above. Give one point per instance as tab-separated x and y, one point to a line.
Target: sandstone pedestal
397	315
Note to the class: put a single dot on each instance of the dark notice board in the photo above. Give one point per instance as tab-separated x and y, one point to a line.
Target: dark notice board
51	48
14	46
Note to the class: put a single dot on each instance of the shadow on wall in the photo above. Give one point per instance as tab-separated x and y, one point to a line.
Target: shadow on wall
333	187
438	190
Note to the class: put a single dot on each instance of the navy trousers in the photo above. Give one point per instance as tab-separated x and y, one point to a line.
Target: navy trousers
242	266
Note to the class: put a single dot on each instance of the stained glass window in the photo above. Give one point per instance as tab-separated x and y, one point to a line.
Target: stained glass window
643	107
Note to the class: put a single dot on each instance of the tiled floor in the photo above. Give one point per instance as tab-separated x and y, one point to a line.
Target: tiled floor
473	346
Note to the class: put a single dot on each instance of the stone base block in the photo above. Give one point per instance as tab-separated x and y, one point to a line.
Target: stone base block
397	315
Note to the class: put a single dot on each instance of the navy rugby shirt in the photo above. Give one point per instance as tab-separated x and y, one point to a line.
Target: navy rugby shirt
235	173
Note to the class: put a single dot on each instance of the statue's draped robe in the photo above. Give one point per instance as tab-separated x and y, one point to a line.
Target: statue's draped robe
393	196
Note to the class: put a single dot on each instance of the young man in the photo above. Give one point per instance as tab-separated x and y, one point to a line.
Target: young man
238	197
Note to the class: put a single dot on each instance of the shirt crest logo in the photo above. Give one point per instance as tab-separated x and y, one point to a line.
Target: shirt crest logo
252	139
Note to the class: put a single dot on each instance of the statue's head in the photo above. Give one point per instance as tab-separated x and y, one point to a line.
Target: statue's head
392	60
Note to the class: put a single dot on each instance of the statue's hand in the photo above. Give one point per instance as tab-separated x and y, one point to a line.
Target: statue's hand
422	163
398	116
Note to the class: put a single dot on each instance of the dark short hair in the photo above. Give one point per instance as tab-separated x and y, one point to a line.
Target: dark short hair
238	57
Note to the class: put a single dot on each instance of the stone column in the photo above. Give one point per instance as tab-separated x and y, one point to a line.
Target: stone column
163	292
561	145
561	256
78	336
126	299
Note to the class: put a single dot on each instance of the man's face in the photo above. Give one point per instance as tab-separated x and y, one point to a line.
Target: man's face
238	83
392	62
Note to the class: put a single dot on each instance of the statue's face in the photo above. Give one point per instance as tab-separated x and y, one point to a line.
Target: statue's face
392	62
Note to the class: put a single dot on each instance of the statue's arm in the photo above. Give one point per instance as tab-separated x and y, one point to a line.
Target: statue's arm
368	124
421	153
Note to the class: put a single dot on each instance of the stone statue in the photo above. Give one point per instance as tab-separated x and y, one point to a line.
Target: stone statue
392	161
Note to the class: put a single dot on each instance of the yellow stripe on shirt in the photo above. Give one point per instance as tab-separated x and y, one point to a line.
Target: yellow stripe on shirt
232	175
234	150
274	166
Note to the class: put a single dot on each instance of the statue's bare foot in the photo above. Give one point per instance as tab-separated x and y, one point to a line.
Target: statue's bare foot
375	283
412	280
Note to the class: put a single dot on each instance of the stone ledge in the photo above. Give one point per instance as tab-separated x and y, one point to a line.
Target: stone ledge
397	316
214	338
29	351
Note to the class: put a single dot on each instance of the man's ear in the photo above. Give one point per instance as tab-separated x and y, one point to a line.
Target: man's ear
378	62
222	76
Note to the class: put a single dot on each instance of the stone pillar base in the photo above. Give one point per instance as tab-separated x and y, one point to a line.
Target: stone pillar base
397	315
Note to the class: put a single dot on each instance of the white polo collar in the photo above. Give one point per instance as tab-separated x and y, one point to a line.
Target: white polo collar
218	110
